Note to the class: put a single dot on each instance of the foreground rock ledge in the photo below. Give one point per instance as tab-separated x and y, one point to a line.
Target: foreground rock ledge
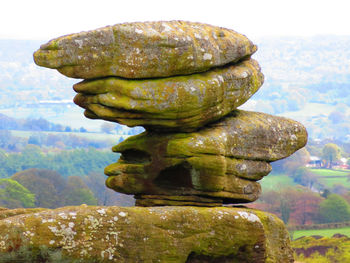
138	234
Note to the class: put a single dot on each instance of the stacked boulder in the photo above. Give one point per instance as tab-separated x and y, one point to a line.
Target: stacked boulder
182	82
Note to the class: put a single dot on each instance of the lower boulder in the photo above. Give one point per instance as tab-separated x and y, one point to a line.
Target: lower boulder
143	234
222	161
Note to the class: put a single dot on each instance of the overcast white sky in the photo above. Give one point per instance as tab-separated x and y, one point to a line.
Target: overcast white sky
46	19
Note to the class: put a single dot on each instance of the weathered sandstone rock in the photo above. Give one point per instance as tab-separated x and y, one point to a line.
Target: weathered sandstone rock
144	50
5	212
167	200
137	234
181	103
221	161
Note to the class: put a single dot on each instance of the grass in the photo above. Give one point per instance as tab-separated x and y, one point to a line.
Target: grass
273	181
326	177
321	232
329	182
329	177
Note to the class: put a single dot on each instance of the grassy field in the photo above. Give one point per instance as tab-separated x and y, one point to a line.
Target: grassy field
272	181
330	182
325	176
321	232
329	177
328	172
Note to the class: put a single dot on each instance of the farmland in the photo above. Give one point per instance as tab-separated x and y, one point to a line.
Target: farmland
321	232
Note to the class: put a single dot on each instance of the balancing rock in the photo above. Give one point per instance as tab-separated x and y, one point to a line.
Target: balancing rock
181	81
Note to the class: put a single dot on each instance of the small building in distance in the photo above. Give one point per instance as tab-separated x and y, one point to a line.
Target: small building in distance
342	164
315	162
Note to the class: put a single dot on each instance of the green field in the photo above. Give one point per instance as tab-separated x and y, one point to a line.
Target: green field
329	178
321	232
328	172
330	182
273	181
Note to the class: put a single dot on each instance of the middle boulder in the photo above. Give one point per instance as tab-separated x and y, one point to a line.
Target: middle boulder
180	103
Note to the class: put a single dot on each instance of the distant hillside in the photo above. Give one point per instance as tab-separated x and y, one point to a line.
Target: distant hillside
303	70
22	82
305	61
307	79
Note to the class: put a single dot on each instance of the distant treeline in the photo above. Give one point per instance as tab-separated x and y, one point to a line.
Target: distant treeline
30	124
65	141
67	163
48	189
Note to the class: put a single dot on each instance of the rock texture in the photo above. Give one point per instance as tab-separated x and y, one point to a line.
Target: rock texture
181	103
221	161
136	234
144	50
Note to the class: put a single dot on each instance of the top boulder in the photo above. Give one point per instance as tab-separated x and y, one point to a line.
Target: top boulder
144	50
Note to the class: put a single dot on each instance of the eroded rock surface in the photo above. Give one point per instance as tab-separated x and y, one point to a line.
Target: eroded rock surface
137	234
144	50
221	161
182	103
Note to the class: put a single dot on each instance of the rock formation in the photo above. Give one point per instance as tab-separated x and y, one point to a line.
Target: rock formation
182	82
198	148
